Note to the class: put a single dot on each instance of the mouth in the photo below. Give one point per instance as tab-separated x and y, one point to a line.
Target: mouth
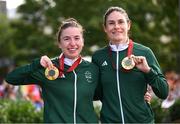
116	32
72	49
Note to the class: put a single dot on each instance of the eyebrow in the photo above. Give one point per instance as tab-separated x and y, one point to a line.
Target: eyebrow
115	20
70	36
65	36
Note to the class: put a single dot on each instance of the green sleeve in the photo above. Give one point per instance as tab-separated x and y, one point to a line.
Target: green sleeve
155	77
98	92
25	75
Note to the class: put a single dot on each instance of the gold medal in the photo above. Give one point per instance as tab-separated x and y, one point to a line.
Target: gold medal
128	63
51	73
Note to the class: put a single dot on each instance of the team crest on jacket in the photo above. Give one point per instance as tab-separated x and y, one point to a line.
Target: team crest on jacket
88	76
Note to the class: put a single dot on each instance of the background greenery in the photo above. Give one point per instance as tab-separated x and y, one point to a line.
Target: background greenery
154	24
22	111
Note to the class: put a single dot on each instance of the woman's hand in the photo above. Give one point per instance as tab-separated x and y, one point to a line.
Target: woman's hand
141	63
147	97
46	62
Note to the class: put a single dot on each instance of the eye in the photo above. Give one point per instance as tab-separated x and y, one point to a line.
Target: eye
110	23
121	21
77	38
66	38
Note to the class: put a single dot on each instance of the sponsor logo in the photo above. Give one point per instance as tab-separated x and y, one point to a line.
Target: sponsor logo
104	63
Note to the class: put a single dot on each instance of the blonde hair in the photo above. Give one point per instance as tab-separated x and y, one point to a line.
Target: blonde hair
70	22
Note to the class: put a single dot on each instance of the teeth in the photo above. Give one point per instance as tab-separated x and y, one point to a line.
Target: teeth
115	32
73	49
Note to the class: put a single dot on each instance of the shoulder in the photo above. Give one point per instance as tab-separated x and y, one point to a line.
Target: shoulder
142	49
101	51
100	54
55	60
88	64
138	46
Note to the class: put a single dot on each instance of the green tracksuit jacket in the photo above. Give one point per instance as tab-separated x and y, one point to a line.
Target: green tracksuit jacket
66	100
121	92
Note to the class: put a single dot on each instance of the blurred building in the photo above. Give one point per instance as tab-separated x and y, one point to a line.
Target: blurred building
3	9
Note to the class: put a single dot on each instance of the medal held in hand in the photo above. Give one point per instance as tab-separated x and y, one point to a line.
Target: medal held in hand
128	63
51	73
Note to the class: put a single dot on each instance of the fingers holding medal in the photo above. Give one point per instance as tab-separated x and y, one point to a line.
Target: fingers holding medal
51	73
131	61
137	59
128	62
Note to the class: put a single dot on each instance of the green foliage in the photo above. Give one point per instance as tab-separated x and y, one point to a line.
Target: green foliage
151	21
169	115
159	114
174	112
24	112
6	32
19	112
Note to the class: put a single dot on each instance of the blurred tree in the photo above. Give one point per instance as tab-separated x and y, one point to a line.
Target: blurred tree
6	43
154	24
7	46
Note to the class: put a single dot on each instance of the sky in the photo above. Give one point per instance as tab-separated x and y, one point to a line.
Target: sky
12	4
11	7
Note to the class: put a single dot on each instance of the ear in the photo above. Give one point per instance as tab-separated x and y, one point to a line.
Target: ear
104	29
59	45
129	25
82	41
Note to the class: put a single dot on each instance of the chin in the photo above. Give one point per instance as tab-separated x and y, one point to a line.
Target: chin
117	39
73	57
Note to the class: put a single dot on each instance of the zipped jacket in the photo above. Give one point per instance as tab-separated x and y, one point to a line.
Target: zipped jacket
66	100
122	92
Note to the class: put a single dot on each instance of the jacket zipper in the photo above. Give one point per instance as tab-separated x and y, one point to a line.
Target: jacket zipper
75	96
118	86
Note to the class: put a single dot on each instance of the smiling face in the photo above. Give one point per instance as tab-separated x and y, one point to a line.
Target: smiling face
117	27
71	42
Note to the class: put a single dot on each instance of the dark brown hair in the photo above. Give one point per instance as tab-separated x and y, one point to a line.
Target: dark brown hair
112	9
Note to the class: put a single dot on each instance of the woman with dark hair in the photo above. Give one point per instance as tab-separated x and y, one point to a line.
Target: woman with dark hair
126	69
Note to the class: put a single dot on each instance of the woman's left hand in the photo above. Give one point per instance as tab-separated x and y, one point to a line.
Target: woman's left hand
141	63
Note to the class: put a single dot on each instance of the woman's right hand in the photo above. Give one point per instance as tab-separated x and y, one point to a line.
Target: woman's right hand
46	62
148	97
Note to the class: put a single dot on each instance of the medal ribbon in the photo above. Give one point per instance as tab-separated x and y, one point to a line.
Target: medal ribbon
130	48
129	52
61	65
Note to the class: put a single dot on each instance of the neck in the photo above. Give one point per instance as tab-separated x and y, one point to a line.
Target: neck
120	42
71	59
68	59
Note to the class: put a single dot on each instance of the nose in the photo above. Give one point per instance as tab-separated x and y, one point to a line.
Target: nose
116	25
73	42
